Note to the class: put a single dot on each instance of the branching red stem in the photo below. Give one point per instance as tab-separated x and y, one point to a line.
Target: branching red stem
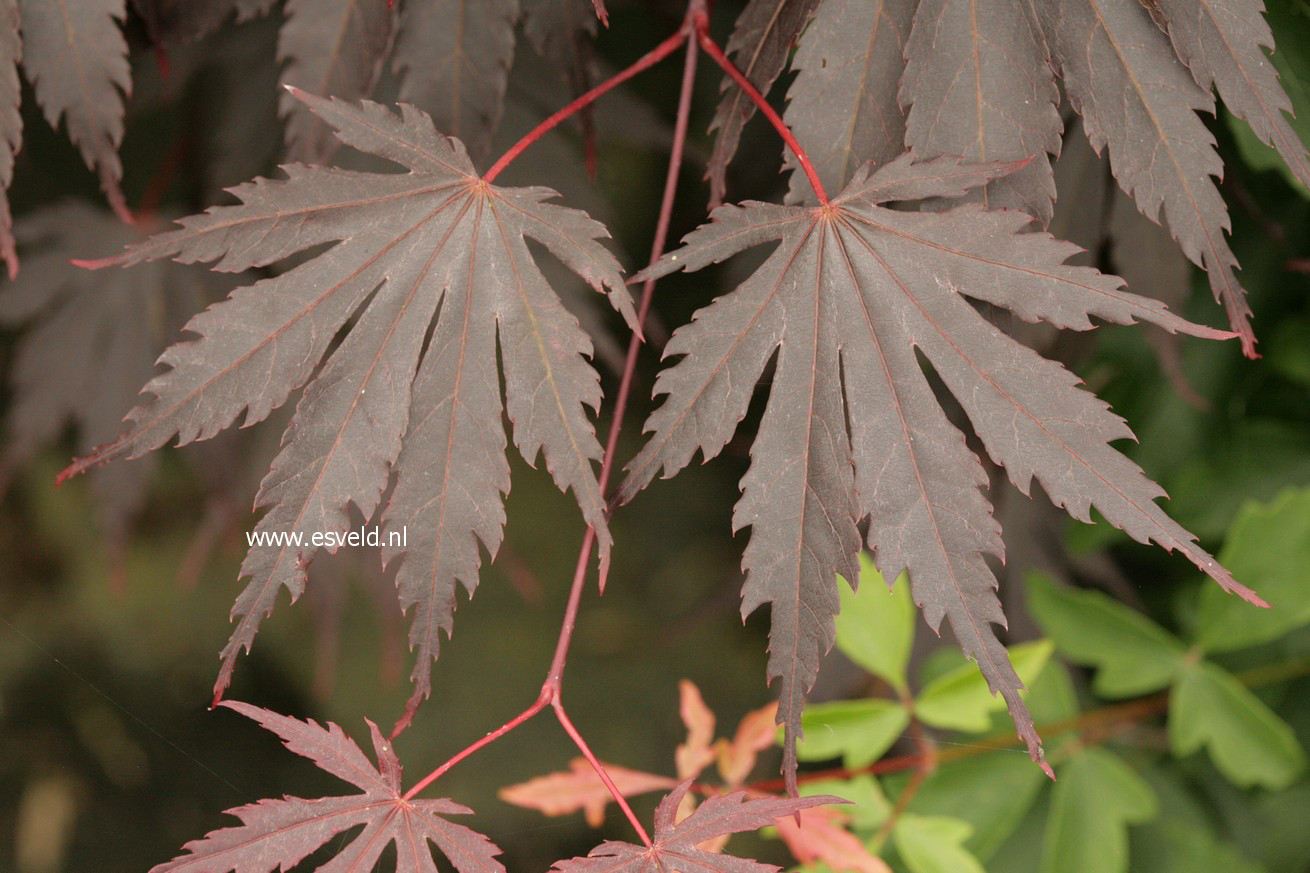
648	60
551	688
702	24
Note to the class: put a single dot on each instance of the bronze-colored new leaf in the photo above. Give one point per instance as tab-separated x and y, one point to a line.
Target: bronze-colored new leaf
276	835
407	246
851	298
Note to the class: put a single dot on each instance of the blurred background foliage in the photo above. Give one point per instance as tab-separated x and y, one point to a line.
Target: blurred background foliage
116	588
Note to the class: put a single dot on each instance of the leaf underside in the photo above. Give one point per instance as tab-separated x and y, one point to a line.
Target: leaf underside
435	242
851	300
278	834
674	845
978	82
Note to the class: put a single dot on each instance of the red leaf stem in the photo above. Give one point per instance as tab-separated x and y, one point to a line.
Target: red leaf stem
645	62
702	24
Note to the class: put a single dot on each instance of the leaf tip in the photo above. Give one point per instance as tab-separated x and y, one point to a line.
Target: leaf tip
93	263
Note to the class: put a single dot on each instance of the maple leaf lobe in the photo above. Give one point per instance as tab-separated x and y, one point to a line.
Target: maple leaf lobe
436	242
848	300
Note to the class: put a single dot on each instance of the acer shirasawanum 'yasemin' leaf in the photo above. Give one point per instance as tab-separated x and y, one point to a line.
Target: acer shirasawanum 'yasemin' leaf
277	834
407	246
849	299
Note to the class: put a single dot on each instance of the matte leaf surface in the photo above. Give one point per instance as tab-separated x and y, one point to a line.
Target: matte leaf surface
760	45
848	299
675	845
1222	42
275	835
453	59
1133	654
1097	797
1249	743
935	844
978	85
407	243
334	48
76	59
1139	100
840	106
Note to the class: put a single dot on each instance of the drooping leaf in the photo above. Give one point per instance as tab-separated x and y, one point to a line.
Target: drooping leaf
334	48
11	125
978	85
75	57
1291	60
850	293
760	45
959	700
875	627
1133	654
453	59
405	244
1222	43
857	731
674	845
275	835
1097	797
842	107
1138	99
118	323
1248	742
935	844
1268	545
580	788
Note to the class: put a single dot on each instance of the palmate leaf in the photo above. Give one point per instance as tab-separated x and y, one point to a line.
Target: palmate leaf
852	428
674	845
120	323
407	243
276	835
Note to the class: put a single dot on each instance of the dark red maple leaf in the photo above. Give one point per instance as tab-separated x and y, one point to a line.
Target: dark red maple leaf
674	844
760	44
277	834
334	48
406	245
979	86
75	57
844	63
1138	100
453	59
848	300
